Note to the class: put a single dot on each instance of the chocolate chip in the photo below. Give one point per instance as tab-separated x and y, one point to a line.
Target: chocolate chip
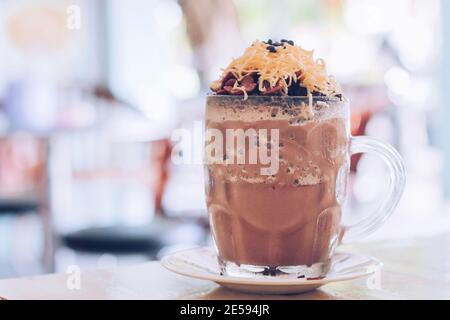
297	90
248	82
271	49
287	41
270	272
234	91
230	82
277	90
274	112
269	41
221	91
227	77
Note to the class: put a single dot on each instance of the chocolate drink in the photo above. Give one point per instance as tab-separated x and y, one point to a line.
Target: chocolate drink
277	158
291	217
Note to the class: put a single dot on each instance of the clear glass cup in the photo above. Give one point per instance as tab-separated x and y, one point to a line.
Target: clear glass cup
276	176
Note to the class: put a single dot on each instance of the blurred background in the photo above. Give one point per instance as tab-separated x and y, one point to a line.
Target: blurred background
91	90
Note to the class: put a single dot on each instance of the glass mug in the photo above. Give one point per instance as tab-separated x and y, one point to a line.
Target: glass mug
276	171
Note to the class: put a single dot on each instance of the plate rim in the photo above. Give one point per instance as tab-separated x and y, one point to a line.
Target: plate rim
165	262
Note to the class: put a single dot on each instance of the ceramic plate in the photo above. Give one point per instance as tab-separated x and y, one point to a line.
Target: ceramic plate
201	263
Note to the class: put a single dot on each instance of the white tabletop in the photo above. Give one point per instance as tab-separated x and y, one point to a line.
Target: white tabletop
413	269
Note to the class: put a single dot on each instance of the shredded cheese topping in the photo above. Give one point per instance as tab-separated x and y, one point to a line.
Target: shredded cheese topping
289	64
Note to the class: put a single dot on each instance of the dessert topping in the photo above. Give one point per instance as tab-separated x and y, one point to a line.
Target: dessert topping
276	68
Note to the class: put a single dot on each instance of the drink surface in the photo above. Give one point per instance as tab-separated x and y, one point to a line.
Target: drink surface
292	216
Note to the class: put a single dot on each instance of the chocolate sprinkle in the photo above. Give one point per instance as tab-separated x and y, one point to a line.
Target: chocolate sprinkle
271	49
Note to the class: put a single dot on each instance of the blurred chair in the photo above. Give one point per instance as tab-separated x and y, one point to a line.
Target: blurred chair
106	184
22	186
366	102
18	206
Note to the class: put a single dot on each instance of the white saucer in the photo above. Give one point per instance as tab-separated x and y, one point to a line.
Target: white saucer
201	263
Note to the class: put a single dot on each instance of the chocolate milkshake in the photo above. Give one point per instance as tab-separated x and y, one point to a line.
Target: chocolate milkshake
287	220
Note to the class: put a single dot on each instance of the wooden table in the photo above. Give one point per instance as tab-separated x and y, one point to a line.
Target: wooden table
413	269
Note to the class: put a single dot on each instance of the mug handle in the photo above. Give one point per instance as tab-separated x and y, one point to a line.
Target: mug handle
394	190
